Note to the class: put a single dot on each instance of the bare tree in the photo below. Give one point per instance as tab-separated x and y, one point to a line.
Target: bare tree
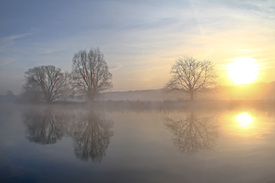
44	127
91	134
90	73
191	75
47	80
192	133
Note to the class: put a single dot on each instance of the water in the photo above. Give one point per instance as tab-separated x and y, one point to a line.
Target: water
74	144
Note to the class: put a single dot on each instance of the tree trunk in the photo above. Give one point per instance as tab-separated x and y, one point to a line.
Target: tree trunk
91	96
48	98
191	95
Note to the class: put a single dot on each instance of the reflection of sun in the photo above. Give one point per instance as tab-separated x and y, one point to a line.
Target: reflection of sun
243	70
244	119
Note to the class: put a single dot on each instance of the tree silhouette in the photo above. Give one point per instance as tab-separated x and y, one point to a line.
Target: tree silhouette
47	81
44	127
91	135
192	134
90	132
90	73
191	76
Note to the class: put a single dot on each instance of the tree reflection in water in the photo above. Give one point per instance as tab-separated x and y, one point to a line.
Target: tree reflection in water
91	136
44	127
90	132
192	133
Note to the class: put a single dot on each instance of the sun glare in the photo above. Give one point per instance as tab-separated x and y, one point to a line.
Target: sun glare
244	119
243	70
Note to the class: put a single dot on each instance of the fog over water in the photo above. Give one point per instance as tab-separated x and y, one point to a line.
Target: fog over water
137	91
85	143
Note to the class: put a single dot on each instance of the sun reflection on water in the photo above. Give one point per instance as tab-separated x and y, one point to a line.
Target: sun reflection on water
246	123
244	119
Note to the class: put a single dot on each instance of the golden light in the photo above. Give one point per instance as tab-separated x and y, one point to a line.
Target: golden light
244	119
243	70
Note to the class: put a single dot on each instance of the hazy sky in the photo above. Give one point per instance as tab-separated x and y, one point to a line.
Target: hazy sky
140	39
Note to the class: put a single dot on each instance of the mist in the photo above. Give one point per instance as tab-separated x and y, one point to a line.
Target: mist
137	91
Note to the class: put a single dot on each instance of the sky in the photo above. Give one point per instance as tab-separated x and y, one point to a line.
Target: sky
140	39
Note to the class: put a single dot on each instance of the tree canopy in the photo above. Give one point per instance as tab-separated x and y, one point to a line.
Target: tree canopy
90	73
190	75
48	81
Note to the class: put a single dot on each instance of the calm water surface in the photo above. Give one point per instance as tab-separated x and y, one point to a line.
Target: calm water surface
70	144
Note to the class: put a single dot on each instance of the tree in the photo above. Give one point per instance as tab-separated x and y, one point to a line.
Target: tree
191	75
48	81
90	73
91	135
46	126
192	133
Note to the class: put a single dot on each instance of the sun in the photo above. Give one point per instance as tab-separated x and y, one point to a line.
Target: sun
244	119
243	70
